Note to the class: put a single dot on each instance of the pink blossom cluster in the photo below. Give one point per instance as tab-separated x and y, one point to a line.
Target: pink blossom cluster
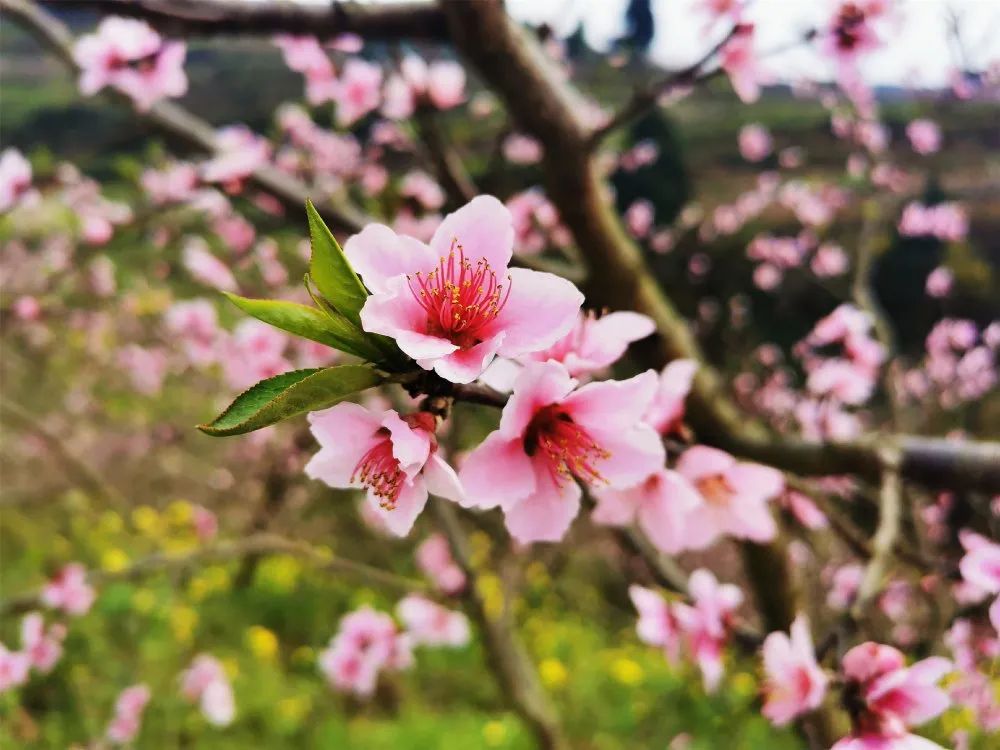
440	83
69	591
435	561
127	721
367	643
537	226
428	623
948	221
849	378
642	154
960	364
205	682
328	158
813	205
738	59
128	55
41	649
980	569
702	628
238	153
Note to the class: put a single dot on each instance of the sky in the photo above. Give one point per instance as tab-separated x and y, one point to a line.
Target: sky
916	51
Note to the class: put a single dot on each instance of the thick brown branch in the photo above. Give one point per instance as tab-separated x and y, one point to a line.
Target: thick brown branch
398	20
174	120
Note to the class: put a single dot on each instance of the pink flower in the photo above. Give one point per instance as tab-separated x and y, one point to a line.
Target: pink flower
205	267
705	624
666	412
254	352
206	525
734	497
659	504
639	218
127	721
886	697
239	152
395	458
357	91
795	683
442	82
435	560
423	188
844	586
15	178
924	135
595	343
195	324
175	183
206	683
366	643
128	55
429	624
851	32
657	624
14	667
739	61
829	260
550	435
69	591
755	142
453	305
42	647
939	282
27	308
521	149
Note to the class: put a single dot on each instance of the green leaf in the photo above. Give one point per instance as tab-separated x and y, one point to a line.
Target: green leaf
309	323
290	394
333	275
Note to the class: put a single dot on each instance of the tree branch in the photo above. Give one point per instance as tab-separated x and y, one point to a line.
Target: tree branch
256	545
394	20
890	518
174	120
506	653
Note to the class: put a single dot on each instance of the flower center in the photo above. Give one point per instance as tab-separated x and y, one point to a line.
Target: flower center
714	489
379	471
848	28
568	450
460	299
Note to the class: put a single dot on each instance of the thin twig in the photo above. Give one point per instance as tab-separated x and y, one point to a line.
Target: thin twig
255	545
884	540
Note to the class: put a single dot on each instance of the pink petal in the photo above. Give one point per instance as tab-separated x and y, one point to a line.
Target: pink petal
465	365
345	433
483	227
701	461
616	507
411	501
546	514
538	385
663	514
634	455
755	480
378	254
497	471
409	446
395	313
541	309
612	404
442	480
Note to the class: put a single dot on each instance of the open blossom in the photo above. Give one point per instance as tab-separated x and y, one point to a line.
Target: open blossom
396	459
442	82
453	304
733	497
205	682
755	142
128	55
69	591
304	55
706	622
366	643
127	721
659	504
739	61
42	645
666	412
657	625
885	697
552	434
429	624
175	183
435	561
946	221
15	178
238	153
422	188
980	567
924	135
14	668
795	683
358	91
205	267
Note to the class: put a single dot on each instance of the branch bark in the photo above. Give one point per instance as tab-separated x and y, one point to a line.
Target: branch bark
508	658
414	20
172	119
